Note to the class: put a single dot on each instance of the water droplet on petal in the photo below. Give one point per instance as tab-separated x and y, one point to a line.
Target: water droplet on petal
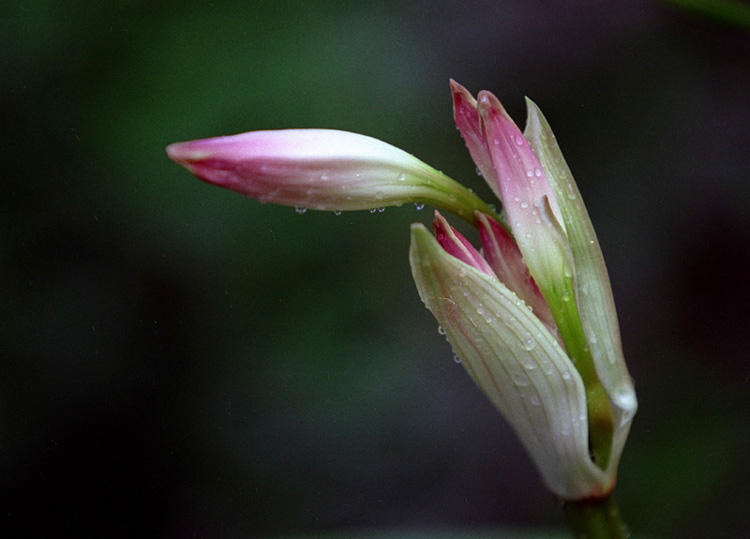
519	140
529	343
524	205
300	210
537	172
419	205
441	330
529	173
402	177
456	359
535	400
336	212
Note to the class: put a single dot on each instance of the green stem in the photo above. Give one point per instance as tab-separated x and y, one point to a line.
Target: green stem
595	519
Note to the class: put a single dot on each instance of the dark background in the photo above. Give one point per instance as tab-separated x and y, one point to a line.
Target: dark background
179	361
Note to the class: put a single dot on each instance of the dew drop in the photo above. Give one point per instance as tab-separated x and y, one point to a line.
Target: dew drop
379	195
381	210
529	173
535	400
324	177
529	344
456	359
520	380
480	310
546	366
566	375
402	177
537	172
336	212
441	330
479	173
419	206
524	205
519	140
373	210
300	210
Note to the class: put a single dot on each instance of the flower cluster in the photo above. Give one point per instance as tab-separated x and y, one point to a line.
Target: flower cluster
531	316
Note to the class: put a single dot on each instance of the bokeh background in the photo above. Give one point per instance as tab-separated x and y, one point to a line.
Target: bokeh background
179	361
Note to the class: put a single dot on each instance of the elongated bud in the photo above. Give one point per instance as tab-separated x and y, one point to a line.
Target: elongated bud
322	169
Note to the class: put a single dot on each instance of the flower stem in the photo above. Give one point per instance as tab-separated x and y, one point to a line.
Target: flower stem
595	519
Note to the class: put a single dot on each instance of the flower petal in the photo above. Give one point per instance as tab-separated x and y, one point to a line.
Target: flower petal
522	186
504	257
455	244
592	288
515	361
467	120
322	169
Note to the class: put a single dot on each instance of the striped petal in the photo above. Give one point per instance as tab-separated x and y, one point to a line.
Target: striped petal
516	362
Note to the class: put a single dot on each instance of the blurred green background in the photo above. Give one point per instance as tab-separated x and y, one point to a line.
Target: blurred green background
179	361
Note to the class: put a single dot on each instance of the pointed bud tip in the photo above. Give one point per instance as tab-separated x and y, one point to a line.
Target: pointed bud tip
489	105
184	153
420	236
457	88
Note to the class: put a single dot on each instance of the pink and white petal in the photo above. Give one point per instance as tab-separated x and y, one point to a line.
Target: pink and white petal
522	185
